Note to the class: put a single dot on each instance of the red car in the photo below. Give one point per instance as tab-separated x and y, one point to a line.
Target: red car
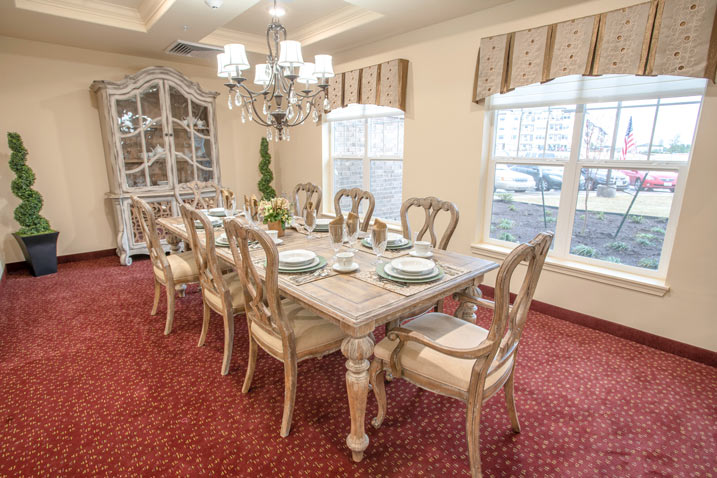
654	180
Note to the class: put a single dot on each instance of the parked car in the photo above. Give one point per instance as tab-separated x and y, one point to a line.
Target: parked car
545	177
654	180
592	178
510	180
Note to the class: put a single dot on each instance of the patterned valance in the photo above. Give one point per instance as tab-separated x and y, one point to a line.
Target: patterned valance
660	37
383	85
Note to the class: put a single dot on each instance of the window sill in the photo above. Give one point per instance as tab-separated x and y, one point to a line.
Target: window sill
625	280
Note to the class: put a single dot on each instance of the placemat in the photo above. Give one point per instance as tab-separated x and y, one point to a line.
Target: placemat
404	288
258	258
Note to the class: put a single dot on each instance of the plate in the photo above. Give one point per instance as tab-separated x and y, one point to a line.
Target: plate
310	264
215	223
296	257
393	273
405	245
320	264
413	266
338	268
217	212
324	223
380	270
416	254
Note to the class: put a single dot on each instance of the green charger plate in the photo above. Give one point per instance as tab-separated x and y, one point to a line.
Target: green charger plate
322	263
408	245
382	273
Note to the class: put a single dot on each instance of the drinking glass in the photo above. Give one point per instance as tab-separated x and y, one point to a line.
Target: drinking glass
379	247
351	238
309	222
336	236
247	215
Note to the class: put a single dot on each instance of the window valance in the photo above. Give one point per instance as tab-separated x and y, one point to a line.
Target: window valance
383	84
660	37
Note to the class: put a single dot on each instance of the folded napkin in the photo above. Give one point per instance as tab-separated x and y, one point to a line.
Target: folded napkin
378	231
254	207
336	228
352	223
310	218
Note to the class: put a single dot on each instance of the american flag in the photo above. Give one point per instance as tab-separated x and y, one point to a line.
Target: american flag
629	141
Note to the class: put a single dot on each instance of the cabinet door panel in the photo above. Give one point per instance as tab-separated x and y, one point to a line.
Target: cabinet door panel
155	140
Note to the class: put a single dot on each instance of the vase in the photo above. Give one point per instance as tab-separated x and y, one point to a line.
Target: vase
276	226
40	251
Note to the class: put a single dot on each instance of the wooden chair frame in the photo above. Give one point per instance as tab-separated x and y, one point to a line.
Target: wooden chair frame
199	201
211	280
357	195
312	193
431	206
500	346
158	256
263	307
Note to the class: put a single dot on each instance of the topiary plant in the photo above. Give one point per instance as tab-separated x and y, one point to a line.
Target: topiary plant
28	212
267	192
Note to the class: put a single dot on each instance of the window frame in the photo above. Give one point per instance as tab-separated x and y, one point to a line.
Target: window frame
571	179
365	159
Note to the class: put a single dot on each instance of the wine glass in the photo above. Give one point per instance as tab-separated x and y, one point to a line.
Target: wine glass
352	238
309	221
336	236
378	243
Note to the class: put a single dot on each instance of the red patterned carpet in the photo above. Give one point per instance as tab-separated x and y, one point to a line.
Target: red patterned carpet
90	386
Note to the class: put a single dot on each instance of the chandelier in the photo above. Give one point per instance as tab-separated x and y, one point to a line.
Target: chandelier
290	87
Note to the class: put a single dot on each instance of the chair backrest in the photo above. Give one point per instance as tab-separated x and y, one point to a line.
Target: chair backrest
311	193
262	301
508	321
228	197
431	206
197	200
210	273
147	222
357	195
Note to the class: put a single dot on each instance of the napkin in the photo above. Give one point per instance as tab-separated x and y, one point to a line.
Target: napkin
337	233
379	232
310	218
254	207
352	223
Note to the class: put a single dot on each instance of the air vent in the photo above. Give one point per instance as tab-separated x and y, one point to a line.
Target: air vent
196	50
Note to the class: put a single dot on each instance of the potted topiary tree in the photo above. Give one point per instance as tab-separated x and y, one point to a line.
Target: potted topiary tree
37	240
267	192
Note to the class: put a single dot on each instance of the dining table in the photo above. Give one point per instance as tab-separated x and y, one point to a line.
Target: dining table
358	302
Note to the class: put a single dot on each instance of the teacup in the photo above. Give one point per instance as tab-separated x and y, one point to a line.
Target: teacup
345	259
273	234
422	248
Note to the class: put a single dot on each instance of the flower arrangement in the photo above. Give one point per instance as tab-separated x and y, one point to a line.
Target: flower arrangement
276	210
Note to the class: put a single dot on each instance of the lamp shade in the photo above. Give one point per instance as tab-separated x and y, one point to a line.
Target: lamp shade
306	74
223	69
323	67
261	74
236	56
290	53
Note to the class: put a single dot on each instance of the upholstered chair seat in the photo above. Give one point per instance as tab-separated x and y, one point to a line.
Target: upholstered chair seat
183	266
232	281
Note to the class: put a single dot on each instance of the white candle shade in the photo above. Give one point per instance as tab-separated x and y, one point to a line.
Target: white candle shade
236	56
306	74
261	74
290	53
223	69
323	67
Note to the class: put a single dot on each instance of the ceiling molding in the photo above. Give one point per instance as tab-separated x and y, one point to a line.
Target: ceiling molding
334	24
97	11
152	10
223	36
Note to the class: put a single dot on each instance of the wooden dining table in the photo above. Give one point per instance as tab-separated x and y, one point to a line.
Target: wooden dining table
357	306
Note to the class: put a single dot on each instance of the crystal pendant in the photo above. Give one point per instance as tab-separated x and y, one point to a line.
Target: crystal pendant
308	107
327	105
243	116
292	98
268	134
229	101
316	116
250	116
286	135
265	110
237	99
290	112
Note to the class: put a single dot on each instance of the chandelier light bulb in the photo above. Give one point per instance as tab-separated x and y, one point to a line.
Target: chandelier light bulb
277	12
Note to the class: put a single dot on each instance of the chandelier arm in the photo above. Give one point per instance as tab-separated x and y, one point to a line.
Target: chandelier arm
252	94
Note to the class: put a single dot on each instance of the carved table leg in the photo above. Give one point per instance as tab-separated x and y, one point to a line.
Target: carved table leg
466	311
357	351
174	243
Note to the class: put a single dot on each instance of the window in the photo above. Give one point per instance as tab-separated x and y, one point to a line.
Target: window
366	151
602	173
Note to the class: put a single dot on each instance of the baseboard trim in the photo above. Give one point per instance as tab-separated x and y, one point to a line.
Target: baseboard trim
82	256
664	344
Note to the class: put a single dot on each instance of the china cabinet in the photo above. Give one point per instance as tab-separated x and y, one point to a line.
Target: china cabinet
158	132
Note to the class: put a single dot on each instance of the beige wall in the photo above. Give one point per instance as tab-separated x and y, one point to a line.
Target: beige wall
45	96
443	143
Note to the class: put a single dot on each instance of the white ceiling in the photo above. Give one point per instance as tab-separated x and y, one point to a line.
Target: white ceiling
148	27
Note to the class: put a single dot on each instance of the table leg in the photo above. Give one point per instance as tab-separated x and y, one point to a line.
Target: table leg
466	310
357	351
174	243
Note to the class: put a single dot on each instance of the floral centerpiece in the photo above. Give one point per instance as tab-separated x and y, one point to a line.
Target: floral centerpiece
276	213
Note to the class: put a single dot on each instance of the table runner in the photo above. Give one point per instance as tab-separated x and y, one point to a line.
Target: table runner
407	289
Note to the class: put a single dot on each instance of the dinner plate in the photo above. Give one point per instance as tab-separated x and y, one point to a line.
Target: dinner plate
217	212
402	245
381	271
215	223
323	223
310	264
320	263
388	269
296	257
413	266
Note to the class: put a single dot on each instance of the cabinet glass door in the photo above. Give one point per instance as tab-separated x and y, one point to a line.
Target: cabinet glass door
142	140
192	135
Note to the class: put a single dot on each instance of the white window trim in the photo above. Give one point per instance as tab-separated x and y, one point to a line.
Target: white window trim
559	259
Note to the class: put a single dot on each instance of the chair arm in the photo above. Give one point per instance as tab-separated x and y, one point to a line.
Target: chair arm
407	335
489	304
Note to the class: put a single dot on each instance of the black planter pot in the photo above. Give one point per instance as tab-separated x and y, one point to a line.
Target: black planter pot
40	252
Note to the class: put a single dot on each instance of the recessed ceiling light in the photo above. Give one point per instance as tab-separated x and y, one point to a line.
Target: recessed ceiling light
277	12
214	3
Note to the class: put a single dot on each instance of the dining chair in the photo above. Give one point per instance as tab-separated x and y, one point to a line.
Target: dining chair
220	292
312	193
173	272
282	328
198	200
357	195
432	206
452	357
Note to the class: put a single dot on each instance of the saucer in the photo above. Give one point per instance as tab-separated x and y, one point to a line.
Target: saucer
338	268
416	254
278	242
